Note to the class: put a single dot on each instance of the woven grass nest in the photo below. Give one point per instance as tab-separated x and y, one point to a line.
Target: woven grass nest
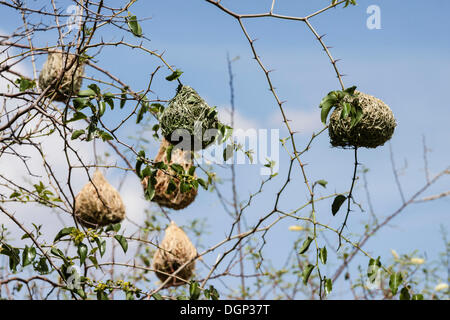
174	251
93	211
188	114
55	64
176	200
374	129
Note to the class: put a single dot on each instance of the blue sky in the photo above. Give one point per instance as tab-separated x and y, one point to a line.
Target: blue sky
406	64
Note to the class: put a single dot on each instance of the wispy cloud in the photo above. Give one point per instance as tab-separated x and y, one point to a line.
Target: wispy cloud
302	121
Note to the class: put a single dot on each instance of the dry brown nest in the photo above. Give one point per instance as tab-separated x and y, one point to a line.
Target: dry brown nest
93	211
176	199
71	80
374	129
174	251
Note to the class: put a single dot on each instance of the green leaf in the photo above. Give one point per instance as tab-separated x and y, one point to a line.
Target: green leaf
123	98
76	134
202	183
171	187
417	297
395	281
109	99
105	136
134	26
139	162
140	114
175	75
122	241
404	294
94	88
323	183
169	153
87	93
306	245
326	104
337	203
102	108
77	116
157	296
25	84
194	291
150	191
178	168
42	266
80	103
64	232
192	170
307	273
350	90
357	117
101	246
323	255
346	107
328	286
372	270
82	252
28	255
94	261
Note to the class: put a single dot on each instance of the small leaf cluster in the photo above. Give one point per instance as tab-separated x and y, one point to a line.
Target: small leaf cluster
336	99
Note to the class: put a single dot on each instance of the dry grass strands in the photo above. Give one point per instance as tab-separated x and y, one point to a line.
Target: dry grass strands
93	211
189	117
176	199
174	251
70	83
375	128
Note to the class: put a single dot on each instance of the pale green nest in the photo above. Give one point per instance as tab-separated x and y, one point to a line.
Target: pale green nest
188	115
374	129
71	80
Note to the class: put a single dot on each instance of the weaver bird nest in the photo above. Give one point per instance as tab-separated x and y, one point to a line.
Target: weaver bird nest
70	82
174	251
374	129
98	203
188	118
176	199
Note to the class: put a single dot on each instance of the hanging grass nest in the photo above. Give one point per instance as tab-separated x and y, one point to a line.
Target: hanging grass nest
93	211
174	251
375	127
176	199
188	114
70	83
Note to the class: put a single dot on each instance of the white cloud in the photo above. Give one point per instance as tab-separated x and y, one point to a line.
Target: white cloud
240	121
304	122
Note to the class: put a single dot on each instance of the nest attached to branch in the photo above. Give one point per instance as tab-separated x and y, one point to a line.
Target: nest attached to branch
189	116
70	83
176	199
93	211
374	129
174	251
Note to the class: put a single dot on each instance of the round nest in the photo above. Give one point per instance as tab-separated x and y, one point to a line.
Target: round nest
93	211
174	251
176	200
189	115
374	129
71	80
